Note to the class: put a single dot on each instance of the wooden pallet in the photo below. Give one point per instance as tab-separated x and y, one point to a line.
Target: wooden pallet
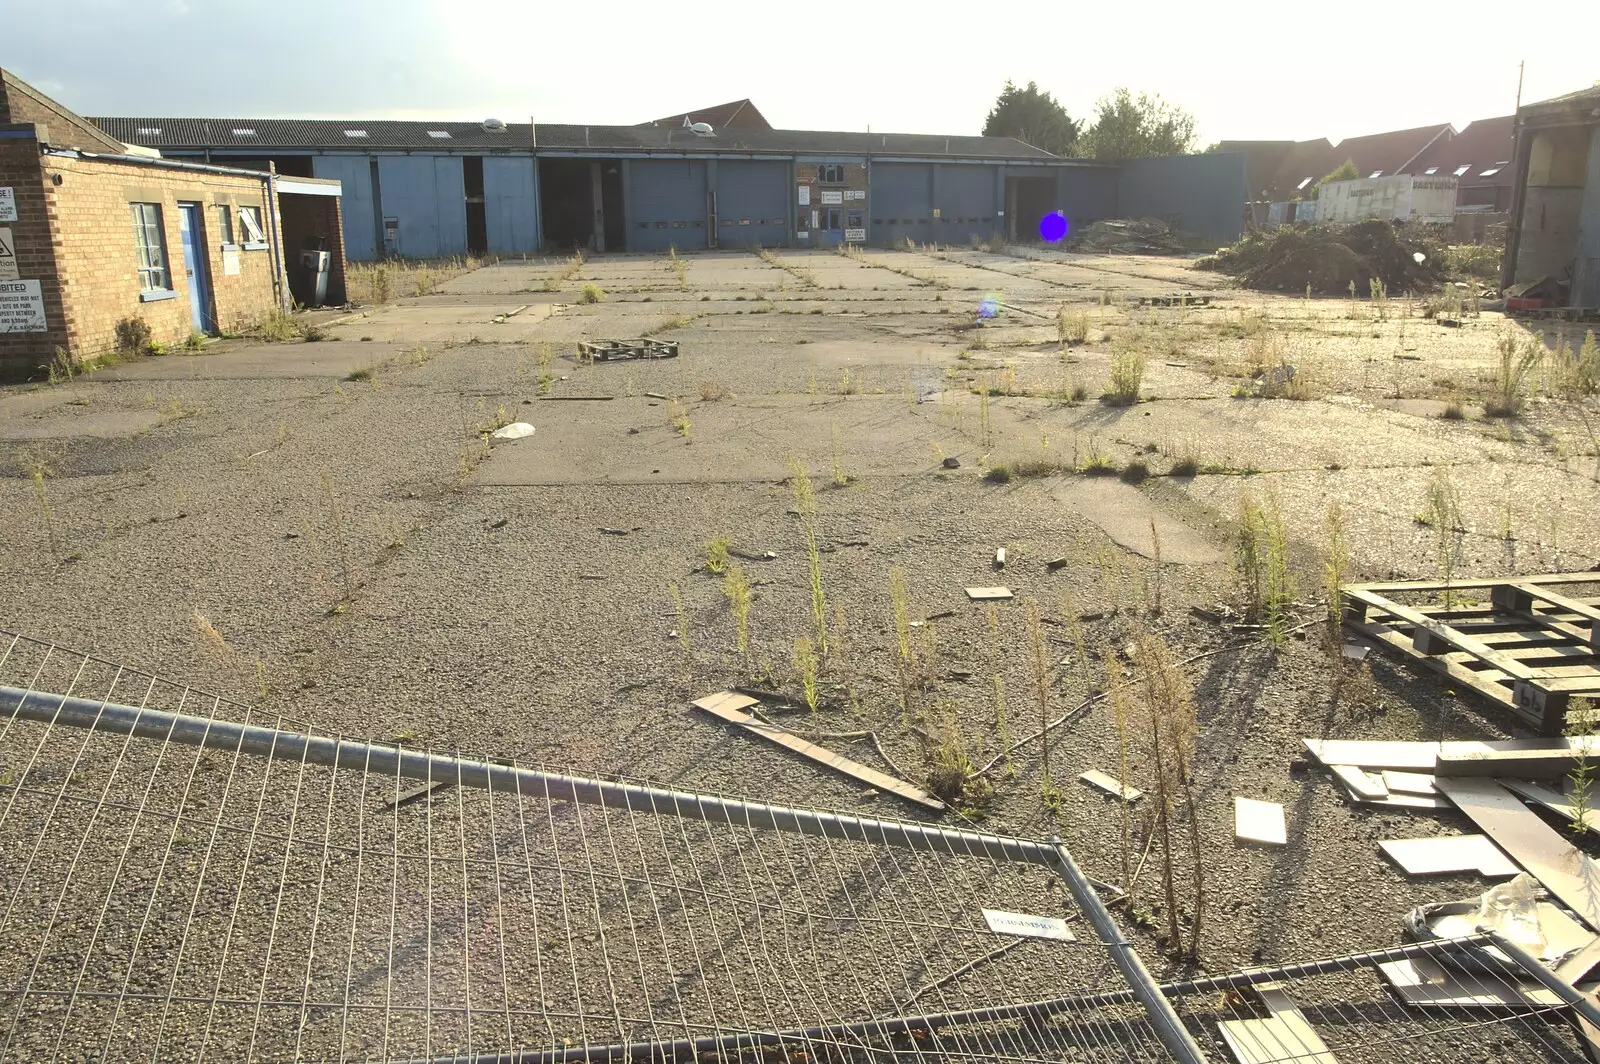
619	350
1531	647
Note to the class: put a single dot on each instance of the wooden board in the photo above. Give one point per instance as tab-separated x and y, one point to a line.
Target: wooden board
1284	1037
989	594
1523	764
1384	587
1111	785
1449	854
1563	869
1409	782
1408	801
1555	801
1423	983
1422	756
1363	785
730	707
1256	821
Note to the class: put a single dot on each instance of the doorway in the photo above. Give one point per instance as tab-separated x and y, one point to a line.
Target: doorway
477	219
191	223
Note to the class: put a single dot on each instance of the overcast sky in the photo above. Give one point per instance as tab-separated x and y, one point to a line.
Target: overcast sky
1245	69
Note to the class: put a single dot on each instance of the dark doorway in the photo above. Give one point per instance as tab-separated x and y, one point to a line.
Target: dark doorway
611	200
477	220
566	203
1028	199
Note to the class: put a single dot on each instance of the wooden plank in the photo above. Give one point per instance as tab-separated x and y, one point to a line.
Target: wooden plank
1449	853
1111	785
1555	598
1443	633
1542	580
1409	782
730	707
1451	669
989	594
1284	1037
1256	821
1522	764
1554	801
1363	785
1564	870
1408	801
1422	983
1422	756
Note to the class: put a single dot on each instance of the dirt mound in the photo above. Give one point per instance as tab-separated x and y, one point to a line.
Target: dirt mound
1330	258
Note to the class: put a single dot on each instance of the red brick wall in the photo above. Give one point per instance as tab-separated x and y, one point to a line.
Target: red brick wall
855	180
90	271
306	220
26	354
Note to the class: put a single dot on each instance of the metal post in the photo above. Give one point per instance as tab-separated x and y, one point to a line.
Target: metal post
1169	1028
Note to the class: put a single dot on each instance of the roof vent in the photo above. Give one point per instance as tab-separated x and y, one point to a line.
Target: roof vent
493	125
701	129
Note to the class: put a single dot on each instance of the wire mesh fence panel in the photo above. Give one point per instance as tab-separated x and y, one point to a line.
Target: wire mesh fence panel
171	901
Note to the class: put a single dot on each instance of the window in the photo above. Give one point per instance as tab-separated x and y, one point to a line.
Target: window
831	173
833	219
242	132
355	134
225	223
1463	169
1430	171
250	221
1495	169
855	219
1376	173
1303	184
148	131
439	134
152	245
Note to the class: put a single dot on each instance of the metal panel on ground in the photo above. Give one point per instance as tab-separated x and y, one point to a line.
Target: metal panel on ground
1200	194
354	172
510	205
752	203
902	202
426	194
668	204
967	206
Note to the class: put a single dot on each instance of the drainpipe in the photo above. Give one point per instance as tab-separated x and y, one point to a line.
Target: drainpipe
278	277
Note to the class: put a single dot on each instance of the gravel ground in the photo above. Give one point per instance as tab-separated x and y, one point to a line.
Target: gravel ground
367	562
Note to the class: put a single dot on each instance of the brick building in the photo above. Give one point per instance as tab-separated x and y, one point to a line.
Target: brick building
95	233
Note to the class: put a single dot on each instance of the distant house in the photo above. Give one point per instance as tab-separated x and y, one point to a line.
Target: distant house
736	114
1555	209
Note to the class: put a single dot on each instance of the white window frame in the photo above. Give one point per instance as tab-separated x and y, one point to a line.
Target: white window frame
250	220
150	247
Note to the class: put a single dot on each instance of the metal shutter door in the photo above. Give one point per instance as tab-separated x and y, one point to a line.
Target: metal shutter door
902	202
508	204
967	206
752	203
667	205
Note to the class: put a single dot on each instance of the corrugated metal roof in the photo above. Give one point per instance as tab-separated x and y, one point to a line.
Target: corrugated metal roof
314	133
281	133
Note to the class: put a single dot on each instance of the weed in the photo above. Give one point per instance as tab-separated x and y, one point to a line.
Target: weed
359	375
805	667
195	340
736	589
1576	375
717	554
1122	717
998	473
1441	511
713	391
133	335
544	354
841	478
1581	725
683	628
846	386
336	530
38	471
1039	670
1127	374
1135	472
1170	732
1335	563
1517	361
678	418
997	680
1453	410
1098	463
592	293
900	610
1262	554
985	425
1072	326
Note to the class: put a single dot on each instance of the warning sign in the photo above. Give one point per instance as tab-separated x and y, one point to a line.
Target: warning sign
8	205
21	307
8	256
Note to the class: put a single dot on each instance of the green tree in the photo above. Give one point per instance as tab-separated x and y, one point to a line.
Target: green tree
1346	172
1033	117
1130	127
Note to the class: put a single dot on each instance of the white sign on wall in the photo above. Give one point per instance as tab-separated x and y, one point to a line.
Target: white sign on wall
856	236
8	256
8	205
805	195
855	193
833	197
230	262
21	307
813	219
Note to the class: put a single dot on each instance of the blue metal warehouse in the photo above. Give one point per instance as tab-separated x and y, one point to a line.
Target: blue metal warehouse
434	189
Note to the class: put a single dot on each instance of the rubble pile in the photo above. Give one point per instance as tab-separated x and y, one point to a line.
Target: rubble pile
1143	236
1329	258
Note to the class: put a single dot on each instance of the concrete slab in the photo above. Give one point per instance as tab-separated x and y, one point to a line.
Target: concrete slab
331	358
77	422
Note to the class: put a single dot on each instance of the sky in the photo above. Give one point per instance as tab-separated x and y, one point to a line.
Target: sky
1246	70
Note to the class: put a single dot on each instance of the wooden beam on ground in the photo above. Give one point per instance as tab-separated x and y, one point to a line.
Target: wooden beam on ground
1422	756
1554	801
1111	785
1551	764
1284	1037
731	707
1409	782
1363	785
1542	580
1564	870
1449	854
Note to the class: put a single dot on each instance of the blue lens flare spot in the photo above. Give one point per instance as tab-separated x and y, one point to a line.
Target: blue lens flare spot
989	306
1053	226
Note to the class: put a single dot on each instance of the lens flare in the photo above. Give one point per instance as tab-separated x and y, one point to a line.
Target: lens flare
989	306
1053	227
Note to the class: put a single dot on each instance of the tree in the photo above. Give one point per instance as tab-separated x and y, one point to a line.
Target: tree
1033	117
1346	172
1126	127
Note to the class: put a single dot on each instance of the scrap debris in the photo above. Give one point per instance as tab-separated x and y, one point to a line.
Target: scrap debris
1448	854
730	707
1111	785
1284	1035
1143	236
989	594
625	350
1257	821
1328	259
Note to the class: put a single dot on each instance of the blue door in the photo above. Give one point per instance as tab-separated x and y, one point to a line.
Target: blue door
191	223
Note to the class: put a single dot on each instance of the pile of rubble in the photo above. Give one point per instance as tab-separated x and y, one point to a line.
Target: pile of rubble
1144	236
1330	258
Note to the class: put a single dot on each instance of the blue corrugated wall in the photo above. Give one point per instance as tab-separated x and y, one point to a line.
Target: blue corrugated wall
355	171
1087	195
425	192
901	198
1200	194
967	203
510	205
667	204
752	203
